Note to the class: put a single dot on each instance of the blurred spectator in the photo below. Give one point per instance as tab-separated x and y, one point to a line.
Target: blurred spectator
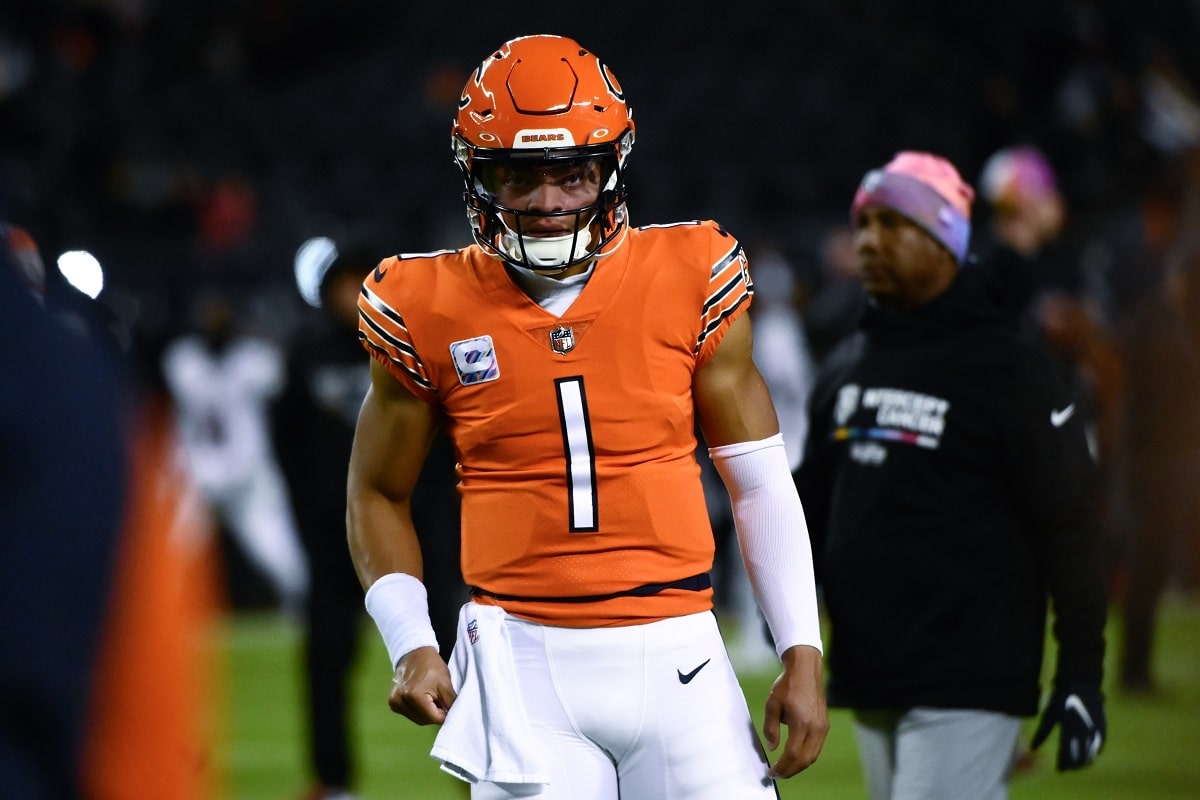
104	679
222	381
1170	108
313	422
1022	244
1161	456
1037	277
63	483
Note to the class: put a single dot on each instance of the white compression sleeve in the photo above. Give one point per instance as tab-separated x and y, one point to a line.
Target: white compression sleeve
773	538
400	607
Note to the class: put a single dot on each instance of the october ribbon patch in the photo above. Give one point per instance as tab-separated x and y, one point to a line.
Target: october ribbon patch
475	360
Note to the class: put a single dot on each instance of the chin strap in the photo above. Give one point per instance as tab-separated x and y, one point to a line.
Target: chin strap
548	252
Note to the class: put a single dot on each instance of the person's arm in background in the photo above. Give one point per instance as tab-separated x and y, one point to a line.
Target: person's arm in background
392	439
1056	480
736	414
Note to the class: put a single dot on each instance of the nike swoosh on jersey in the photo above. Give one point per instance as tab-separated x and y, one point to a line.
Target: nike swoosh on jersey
379	274
687	677
1059	417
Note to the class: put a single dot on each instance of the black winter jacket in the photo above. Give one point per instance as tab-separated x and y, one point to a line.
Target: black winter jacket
949	493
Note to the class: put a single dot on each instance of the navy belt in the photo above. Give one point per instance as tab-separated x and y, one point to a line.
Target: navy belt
696	583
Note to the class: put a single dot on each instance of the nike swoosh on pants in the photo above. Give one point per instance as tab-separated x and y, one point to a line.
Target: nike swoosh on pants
687	677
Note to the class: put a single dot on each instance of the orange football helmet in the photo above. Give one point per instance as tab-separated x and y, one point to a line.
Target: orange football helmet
543	101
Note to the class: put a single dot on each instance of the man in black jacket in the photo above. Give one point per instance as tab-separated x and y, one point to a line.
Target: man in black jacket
314	428
949	493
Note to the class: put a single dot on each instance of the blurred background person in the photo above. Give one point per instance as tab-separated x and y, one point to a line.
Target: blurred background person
1022	240
948	489
63	482
105	673
1039	278
222	380
1161	457
313	424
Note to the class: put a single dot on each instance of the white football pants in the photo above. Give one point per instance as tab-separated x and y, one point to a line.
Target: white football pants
642	712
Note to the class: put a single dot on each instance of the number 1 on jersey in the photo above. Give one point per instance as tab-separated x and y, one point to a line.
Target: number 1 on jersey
581	456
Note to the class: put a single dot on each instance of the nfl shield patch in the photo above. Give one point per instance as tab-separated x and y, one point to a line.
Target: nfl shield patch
562	340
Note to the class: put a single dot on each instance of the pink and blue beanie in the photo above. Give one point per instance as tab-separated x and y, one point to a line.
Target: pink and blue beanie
926	189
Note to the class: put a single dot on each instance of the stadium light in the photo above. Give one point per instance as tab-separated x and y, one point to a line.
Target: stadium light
313	259
83	271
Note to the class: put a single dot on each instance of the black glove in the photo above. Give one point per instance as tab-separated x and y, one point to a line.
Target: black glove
1078	710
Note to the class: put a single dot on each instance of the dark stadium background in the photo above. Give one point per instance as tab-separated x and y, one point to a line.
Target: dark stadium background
198	141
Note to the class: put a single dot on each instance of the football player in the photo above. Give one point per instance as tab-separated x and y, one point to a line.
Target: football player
569	356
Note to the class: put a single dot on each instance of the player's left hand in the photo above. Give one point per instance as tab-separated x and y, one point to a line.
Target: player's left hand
797	700
1078	710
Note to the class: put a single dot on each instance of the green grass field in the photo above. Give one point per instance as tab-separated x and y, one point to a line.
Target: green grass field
1153	752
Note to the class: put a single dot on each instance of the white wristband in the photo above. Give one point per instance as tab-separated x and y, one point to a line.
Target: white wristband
400	607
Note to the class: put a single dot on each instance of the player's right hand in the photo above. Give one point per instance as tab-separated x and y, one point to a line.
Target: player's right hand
421	688
797	700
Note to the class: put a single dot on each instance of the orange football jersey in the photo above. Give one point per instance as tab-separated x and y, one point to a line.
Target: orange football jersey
575	436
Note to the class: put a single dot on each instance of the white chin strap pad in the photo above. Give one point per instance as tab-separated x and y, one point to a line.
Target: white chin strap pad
549	251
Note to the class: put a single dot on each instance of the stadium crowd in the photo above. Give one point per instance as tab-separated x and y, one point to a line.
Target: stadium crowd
195	142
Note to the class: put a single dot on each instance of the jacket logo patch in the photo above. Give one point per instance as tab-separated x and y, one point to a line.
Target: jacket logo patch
899	416
475	360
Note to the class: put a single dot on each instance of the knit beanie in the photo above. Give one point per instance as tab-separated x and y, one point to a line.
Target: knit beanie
1015	175
926	189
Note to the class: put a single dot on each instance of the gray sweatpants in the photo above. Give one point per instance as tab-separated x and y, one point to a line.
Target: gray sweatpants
936	753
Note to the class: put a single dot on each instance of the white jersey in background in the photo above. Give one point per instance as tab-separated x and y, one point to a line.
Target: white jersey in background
223	396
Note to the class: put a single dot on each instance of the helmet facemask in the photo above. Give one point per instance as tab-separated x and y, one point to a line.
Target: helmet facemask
512	234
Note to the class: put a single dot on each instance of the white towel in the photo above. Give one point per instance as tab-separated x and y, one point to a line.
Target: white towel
486	735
